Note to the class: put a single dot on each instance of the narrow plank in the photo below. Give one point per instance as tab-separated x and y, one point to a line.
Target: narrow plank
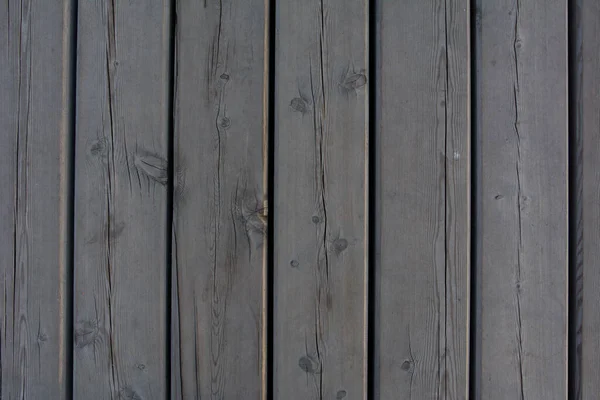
320	195
422	214
35	240
121	200
458	200
586	113
219	237
522	199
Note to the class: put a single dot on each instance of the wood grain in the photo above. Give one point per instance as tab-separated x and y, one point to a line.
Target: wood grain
35	121
220	213
522	199
121	182
458	199
320	194
423	207
586	109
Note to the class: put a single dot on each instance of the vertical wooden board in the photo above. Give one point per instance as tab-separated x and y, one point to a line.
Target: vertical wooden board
586	112
458	199
522	199
320	195
35	120
219	237
423	206
121	182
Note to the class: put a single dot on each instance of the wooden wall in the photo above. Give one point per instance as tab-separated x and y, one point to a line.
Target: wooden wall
329	199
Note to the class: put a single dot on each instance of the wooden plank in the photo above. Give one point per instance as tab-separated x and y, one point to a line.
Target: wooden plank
219	240
320	195
121	179
587	128
35	119
458	200
522	199
422	214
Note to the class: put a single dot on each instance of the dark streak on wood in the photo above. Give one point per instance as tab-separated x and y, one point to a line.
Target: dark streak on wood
152	166
109	175
585	82
519	205
576	199
319	120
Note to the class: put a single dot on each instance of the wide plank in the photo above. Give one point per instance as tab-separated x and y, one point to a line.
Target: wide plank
422	221
121	182
35	208
219	232
320	200
522	208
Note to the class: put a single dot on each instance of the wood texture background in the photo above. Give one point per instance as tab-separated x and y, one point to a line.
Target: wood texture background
432	229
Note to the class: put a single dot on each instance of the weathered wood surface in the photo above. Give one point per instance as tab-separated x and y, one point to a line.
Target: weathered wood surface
217	83
120	337
458	199
522	188
320	195
35	119
422	209
219	239
587	385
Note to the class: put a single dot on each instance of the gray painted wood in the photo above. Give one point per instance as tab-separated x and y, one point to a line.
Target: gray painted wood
121	200
458	200
320	194
588	265
35	120
422	211
522	216
219	241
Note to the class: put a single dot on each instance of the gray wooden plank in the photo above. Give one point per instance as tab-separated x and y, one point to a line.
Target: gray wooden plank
219	241
586	113
121	199
522	199
458	199
35	119
320	194
423	207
